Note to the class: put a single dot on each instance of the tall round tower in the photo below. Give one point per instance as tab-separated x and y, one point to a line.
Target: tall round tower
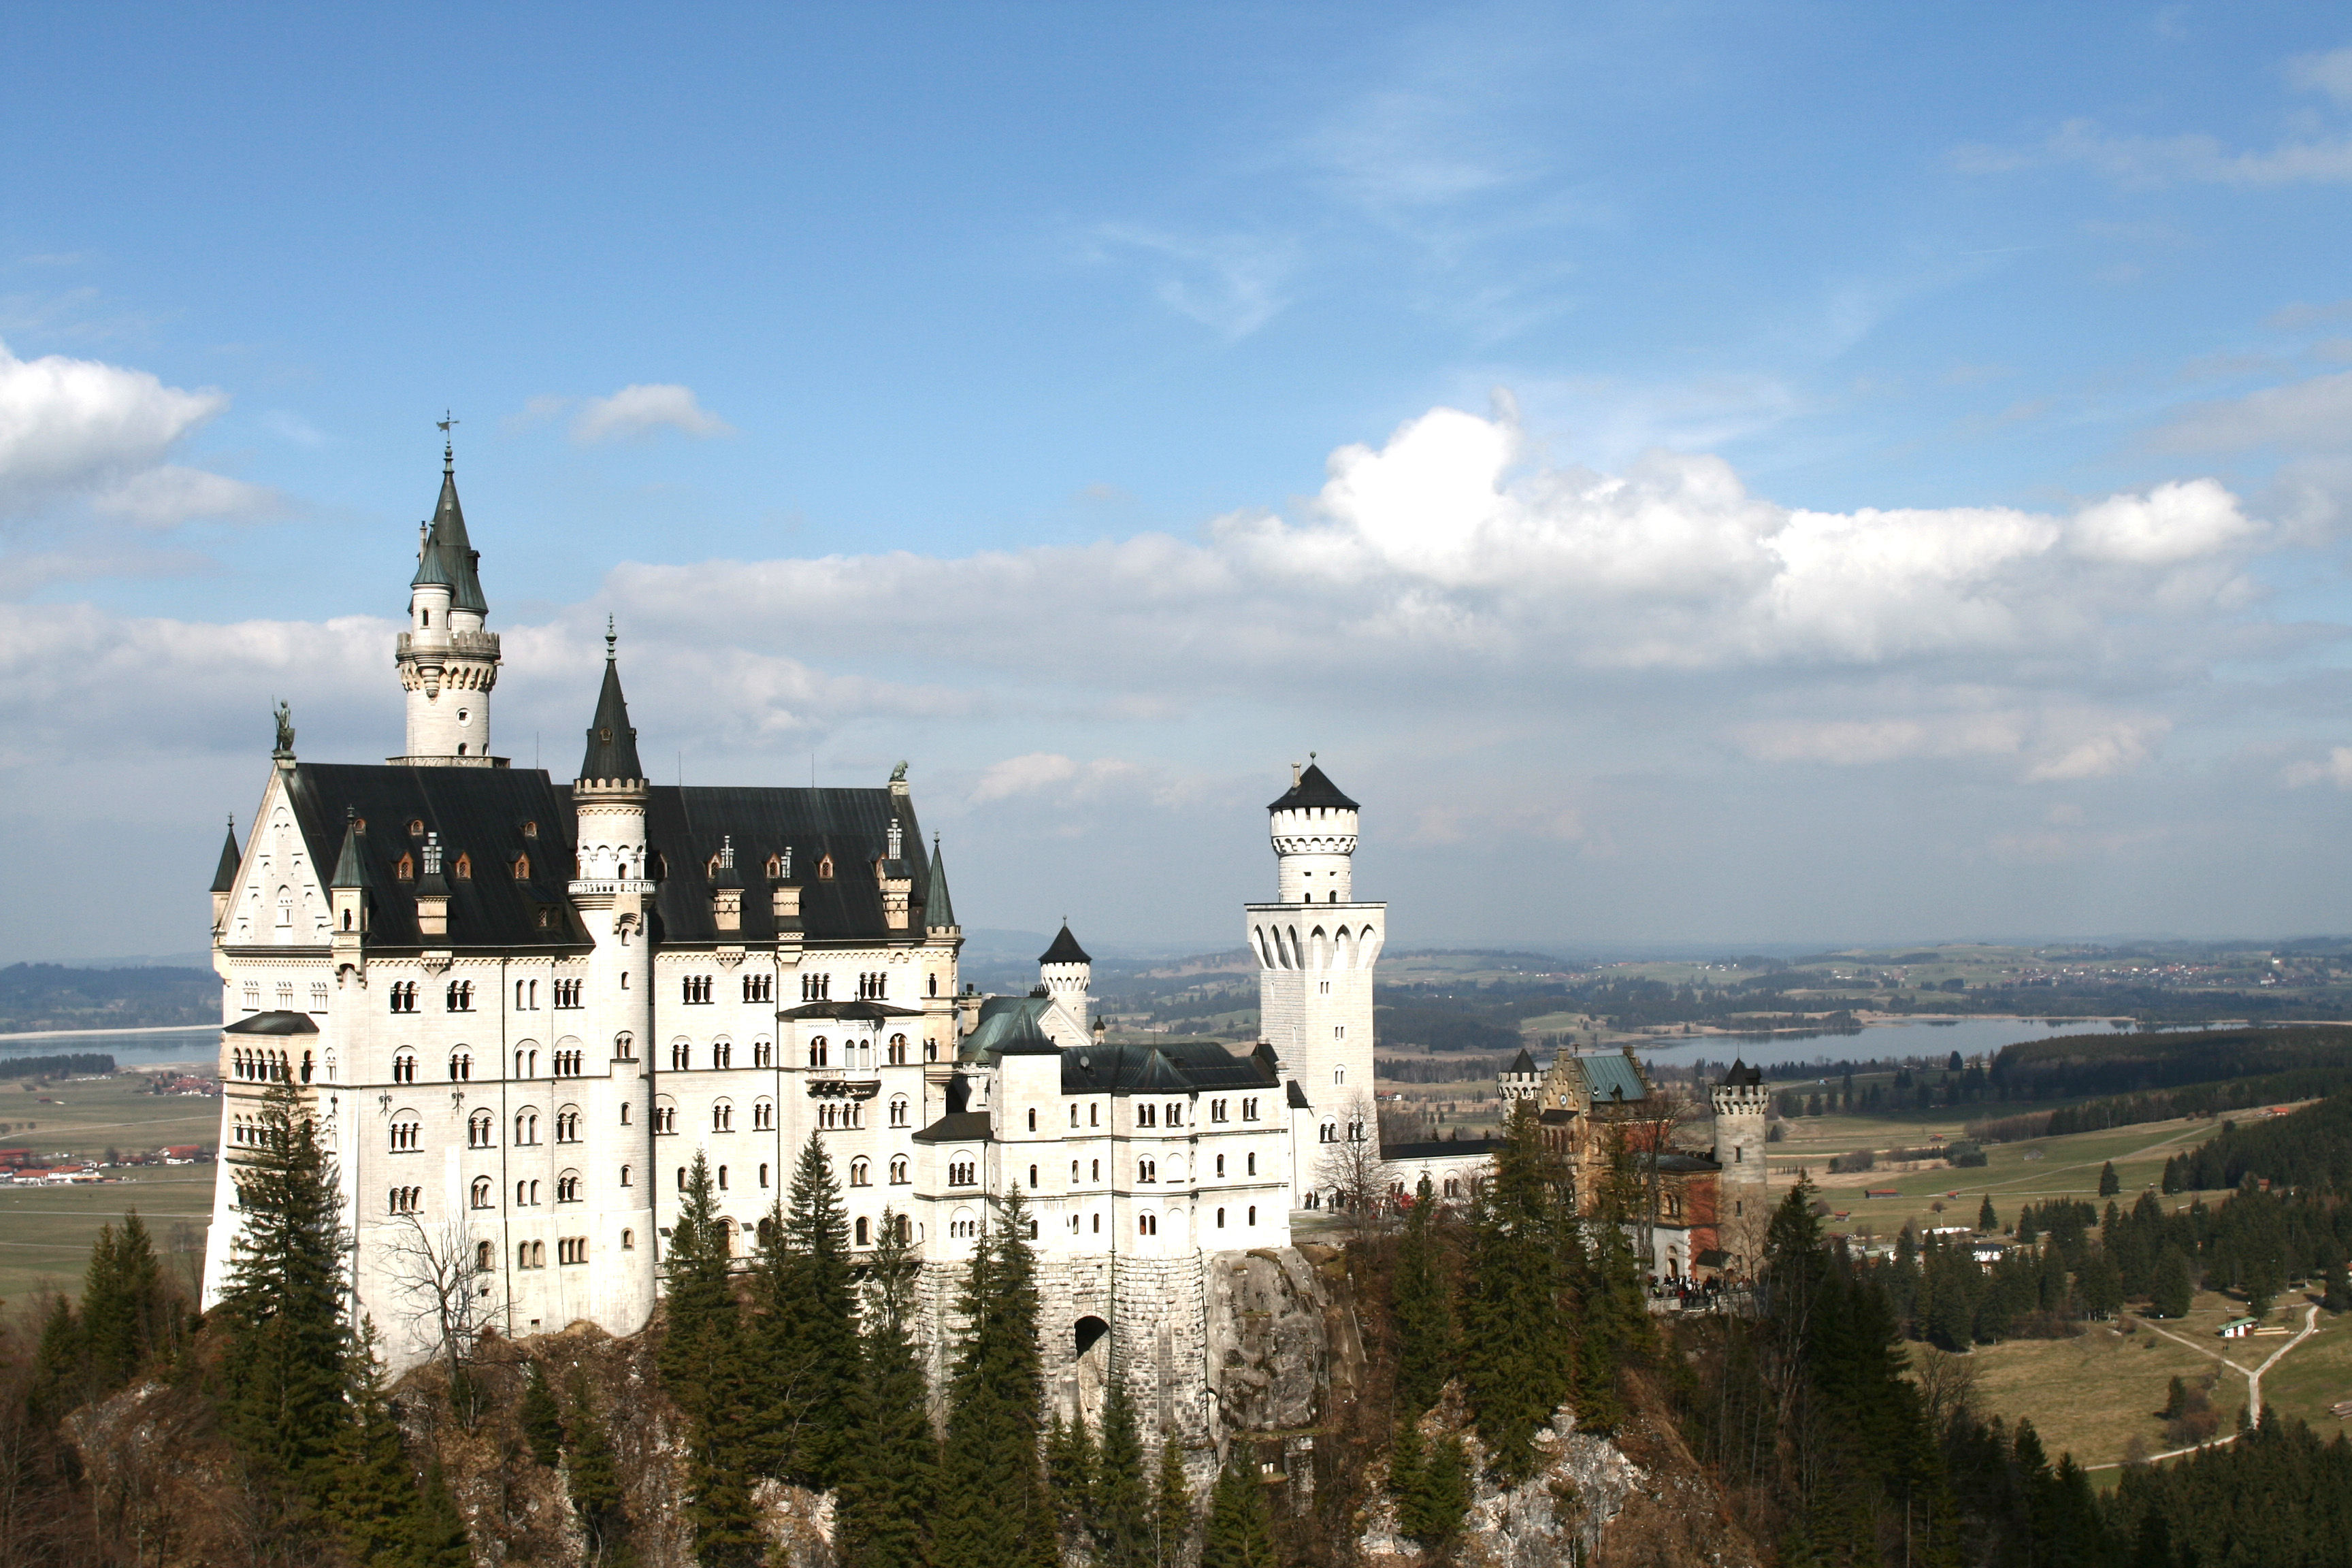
1066	972
1314	832
447	661
1743	1198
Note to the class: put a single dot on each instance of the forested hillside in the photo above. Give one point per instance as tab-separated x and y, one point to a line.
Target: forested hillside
35	996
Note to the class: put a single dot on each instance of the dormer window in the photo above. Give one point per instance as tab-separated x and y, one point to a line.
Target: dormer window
406	869
530	831
824	869
416	828
521	867
465	865
775	867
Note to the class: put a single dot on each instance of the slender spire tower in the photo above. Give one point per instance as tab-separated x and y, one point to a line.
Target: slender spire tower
447	662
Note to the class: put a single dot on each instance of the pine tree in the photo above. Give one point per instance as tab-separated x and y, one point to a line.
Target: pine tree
886	1496
542	1421
1240	1533
438	1537
2175	1286
1515	1341
593	1476
1426	1346
372	1503
810	1328
1171	1506
700	1359
1408	1457
1988	1221
1434	1508
288	1345
992	1511
2109	1182
1120	1525
1070	1471
2337	1295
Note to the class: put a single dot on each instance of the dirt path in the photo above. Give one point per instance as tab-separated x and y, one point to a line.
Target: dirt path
2252	1375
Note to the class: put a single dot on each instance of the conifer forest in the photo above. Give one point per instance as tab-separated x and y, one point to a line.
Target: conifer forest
782	1412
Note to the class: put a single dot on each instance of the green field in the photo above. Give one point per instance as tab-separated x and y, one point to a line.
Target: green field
45	1232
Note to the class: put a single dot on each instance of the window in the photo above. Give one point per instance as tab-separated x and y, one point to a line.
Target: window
722	1118
678	1055
526	1127
465	861
482	1191
837	1115
1253	1165
526	1194
1147	1224
722	1054
531	1254
816	987
697	989
625	1047
567	994
862	1232
461	1066
1094	1170
318	995
624	1113
404	1067
1452	1187
1094	1115
665	1119
1147	1170
1323	987
1221	1219
963	1228
1220	1167
899	1171
1217	1110
764	1179
407	1133
1074	1172
960	1174
404	1200
567	1063
253	996
873	986
479	1134
460	998
522	868
1146	1115
763	1116
625	1175
567	1187
722	1178
860	1174
824	869
898	1050
763	1054
571	1249
1249	1109
931	1051
934	984
1339	1073
681	1178
567	1125
1327	1133
1033	1119
486	1256
817	1056
404	997
758	988
1175	1114
526	1064
1252	1213
285	996
406	870
628	1241
898	1111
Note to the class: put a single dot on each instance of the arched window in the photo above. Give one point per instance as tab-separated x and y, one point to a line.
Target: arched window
816	1052
526	1127
1339	1073
764	1176
526	1064
1147	1171
1033	1119
625	1175
461	1066
722	1117
404	1067
722	1054
899	1171
486	1256
1147	1224
861	1231
722	1178
628	1241
1221	1219
567	1187
625	1046
763	1115
898	1111
898	1050
681	1178
678	1053
479	1129
567	1125
860	1174
482	1191
1220	1167
1033	1178
763	1054
408	1132
1252	1213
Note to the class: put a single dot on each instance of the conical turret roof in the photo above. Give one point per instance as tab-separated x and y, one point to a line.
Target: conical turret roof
449	556
225	878
612	743
1066	950
939	909
1314	788
350	866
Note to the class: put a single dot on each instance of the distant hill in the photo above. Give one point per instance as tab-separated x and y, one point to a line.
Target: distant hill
35	997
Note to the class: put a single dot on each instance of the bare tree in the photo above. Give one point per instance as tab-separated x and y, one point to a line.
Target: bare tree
1352	1170
443	1296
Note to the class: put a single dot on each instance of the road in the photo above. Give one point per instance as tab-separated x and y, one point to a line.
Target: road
2253	1379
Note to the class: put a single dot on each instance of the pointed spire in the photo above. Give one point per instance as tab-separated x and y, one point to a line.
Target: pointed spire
612	743
1066	950
225	878
449	557
350	866
939	909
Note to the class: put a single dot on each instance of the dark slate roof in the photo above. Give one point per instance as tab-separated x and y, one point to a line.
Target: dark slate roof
957	1127
1314	788
1677	1163
1553	1116
1613	1079
939	909
1001	1020
459	560
854	1011
225	878
1297	1098
1523	1065
1171	1066
1066	950
612	743
480	813
1742	1075
684	827
272	1024
1465	1149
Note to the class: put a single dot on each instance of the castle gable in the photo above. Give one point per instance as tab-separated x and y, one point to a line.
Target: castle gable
279	895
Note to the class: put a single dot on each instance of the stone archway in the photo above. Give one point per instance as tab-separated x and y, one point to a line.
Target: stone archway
1091	1367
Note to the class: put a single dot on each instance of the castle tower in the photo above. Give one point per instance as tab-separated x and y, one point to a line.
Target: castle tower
1316	946
447	662
1066	972
1743	1204
613	888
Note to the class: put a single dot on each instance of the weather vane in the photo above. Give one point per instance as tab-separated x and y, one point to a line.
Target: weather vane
448	442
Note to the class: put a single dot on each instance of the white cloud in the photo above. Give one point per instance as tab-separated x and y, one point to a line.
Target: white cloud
2330	73
2307	415
71	428
640	411
1231	284
2171	523
171	495
2335	769
2056	742
2154	161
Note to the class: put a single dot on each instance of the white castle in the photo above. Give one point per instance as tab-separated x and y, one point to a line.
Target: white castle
517	1009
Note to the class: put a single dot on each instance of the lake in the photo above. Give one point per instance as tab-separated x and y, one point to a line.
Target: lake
134	1049
1913	1037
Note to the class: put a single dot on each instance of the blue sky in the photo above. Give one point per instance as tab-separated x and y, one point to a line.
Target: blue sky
1699	473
